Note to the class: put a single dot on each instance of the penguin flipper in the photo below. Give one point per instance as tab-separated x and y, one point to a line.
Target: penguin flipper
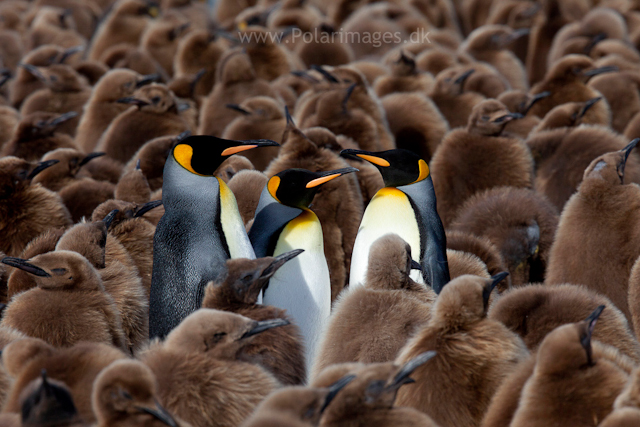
267	226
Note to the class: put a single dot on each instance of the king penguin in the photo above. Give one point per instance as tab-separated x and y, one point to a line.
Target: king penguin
405	206
284	222
200	229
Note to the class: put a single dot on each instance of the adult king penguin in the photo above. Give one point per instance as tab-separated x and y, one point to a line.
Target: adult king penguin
200	229
405	206
284	222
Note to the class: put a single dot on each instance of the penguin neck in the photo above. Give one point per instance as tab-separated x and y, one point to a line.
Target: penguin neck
180	187
425	186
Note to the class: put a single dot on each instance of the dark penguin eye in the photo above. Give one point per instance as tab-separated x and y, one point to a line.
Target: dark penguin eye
155	99
484	118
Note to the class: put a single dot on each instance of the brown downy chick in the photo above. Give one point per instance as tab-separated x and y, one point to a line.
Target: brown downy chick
463	263
371	323
573	114
68	288
201	376
133	187
77	367
484	249
597	223
63	173
37	134
152	156
66	91
247	186
567	82
622	92
134	231
535	310
7	336
338	203
521	102
269	59
231	166
474	355
622	417
26	209
47	402
369	400
25	83
125	55
53	25
199	50
562	155
236	80
485	80
125	23
261	117
85	14
9	121
118	272
91	70
460	164
84	195
521	223
562	380
517	15
490	44
125	393
280	350
449	95
627	405
325	48
295	406
416	123
20	281
103	106
404	77
155	113
161	38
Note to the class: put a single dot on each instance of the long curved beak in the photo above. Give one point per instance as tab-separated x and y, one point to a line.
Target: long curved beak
248	145
464	76
328	176
537	97
146	79
90	157
627	151
279	261
587	106
160	414
264	325
595	71
147	207
334	389
69	52
109	218
585	341
34	71
369	156
63	118
402	377
327	75
40	167
133	101
508	117
24	265
486	292
239	109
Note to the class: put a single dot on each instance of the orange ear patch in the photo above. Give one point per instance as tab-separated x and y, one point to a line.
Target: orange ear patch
183	154
424	170
272	186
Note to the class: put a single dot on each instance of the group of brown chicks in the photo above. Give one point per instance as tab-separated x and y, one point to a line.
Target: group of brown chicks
524	110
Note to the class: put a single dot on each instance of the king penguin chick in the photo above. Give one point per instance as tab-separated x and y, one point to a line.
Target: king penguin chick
160	39
490	44
37	134
622	92
449	95
103	106
573	114
280	350
606	207
565	369
259	117
521	223
296	406
521	102
474	355
201	375
626	408
236	80
483	249
563	154
405	206
133	187
404	77
125	393
371	323
247	186
193	227
77	367
67	170
369	400
337	204
155	113
27	209
284	222
66	91
199	50
124	23
462	161
535	310
69	288
25	83
567	82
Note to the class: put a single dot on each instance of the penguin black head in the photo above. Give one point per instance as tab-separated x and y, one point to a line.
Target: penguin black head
398	167
297	187
203	154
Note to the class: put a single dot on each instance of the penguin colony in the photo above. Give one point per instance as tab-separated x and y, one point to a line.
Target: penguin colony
267	214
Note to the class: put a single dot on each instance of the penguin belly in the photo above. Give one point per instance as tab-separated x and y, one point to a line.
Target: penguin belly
232	226
302	285
389	211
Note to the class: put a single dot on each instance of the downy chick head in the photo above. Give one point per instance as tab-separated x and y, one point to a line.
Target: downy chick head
489	118
390	264
125	392
16	175
246	278
120	83
575	68
70	161
88	239
41	125
570	114
59	77
154	98
492	38
568	346
59	270
610	167
220	334
464	300
47	402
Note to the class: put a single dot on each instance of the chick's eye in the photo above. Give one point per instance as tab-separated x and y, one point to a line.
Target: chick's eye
155	99
484	118
217	337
